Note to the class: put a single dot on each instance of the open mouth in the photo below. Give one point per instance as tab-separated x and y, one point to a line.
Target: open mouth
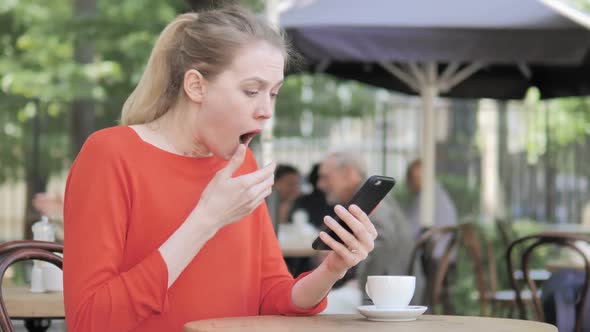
247	137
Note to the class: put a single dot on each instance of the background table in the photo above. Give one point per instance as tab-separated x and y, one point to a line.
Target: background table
555	265
36	309
357	323
21	303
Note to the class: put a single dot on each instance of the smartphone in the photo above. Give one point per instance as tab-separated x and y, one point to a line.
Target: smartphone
366	197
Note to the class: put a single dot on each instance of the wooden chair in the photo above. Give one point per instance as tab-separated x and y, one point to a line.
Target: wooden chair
435	274
464	237
12	252
482	256
529	244
507	234
467	239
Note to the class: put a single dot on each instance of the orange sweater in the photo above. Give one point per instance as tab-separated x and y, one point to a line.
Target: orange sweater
124	198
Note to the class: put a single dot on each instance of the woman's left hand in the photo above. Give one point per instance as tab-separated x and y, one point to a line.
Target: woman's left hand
357	245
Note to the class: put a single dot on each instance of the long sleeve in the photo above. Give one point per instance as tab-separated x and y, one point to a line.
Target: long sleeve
277	282
100	296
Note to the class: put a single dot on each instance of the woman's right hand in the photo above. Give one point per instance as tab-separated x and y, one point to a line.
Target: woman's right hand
227	199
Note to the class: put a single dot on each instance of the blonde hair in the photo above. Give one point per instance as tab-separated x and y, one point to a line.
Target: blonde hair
207	42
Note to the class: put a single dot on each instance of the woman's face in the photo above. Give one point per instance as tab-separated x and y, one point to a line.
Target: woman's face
237	103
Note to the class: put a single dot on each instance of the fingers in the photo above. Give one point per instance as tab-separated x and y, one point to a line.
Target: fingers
256	203
259	175
260	191
363	235
358	229
235	162
342	233
340	249
364	219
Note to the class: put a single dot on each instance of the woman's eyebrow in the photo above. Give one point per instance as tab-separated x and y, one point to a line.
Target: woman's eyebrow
262	81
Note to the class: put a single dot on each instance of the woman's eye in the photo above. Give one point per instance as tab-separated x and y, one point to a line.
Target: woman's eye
274	94
251	93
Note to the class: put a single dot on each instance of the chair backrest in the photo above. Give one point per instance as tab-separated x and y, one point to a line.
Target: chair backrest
425	246
528	244
480	251
12	252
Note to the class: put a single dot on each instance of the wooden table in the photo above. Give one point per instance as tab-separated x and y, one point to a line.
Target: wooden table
357	323
21	303
36	309
560	264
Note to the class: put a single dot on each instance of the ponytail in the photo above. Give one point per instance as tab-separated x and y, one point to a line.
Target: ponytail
156	92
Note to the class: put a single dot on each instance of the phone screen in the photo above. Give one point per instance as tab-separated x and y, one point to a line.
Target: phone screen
367	197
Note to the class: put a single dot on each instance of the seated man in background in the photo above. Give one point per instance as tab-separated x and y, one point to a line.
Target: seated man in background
444	209
314	203
445	215
51	206
286	189
341	174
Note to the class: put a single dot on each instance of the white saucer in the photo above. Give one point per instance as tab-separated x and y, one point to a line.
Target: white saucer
392	315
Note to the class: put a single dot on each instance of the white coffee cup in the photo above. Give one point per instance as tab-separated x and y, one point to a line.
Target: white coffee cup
391	292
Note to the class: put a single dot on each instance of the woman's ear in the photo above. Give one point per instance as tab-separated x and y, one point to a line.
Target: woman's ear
194	85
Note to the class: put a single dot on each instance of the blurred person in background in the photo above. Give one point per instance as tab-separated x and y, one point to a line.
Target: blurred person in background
287	188
314	204
444	211
341	174
307	213
445	214
50	205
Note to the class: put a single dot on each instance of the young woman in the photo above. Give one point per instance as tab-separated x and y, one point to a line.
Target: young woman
165	220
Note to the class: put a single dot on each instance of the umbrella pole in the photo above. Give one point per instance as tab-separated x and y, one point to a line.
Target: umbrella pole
429	93
424	78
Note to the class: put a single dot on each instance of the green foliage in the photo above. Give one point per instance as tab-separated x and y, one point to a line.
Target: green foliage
569	120
39	76
465	197
323	96
565	120
581	4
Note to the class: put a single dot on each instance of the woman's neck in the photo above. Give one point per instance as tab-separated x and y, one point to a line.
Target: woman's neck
177	132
